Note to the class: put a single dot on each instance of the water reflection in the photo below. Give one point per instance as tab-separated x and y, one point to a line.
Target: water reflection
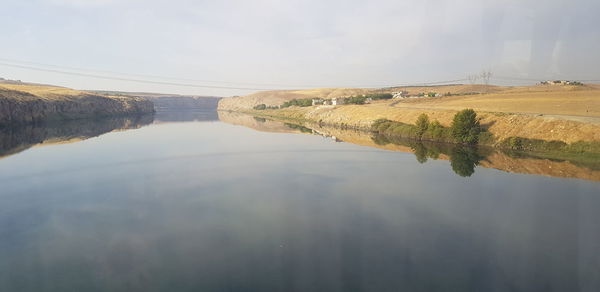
286	213
464	160
182	115
244	210
19	138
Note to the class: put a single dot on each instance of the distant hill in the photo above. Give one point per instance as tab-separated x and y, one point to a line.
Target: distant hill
561	112
278	97
172	102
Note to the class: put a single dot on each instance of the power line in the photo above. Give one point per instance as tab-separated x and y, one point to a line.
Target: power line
147	75
130	79
61	70
435	83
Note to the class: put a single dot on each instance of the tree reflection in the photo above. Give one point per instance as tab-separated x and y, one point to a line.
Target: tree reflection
463	158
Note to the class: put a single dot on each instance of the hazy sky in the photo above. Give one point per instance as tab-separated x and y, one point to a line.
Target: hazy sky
288	44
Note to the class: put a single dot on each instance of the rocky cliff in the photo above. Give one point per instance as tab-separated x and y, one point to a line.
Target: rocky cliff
21	104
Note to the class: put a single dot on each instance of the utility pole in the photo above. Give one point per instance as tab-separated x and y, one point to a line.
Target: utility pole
486	76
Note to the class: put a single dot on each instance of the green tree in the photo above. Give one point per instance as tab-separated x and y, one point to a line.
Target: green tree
260	107
466	127
422	125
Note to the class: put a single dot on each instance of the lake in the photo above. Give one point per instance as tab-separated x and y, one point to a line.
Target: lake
207	202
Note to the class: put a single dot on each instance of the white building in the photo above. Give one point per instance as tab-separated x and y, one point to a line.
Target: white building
400	94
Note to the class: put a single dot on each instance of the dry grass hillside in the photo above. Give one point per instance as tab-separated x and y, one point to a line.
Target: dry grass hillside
42	91
278	97
452	88
549	112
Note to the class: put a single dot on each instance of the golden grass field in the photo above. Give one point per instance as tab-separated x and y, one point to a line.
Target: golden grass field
47	92
568	100
42	91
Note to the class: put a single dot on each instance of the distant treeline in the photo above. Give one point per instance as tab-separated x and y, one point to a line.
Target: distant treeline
263	106
306	102
303	102
362	99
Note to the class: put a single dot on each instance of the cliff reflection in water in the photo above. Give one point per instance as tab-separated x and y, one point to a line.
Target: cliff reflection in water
178	116
16	139
463	159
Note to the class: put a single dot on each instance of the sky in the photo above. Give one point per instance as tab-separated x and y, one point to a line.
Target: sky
207	47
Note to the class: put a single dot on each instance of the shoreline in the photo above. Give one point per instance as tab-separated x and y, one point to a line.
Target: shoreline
583	152
579	166
503	126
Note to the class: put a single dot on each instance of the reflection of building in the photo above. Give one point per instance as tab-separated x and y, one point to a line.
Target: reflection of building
334	138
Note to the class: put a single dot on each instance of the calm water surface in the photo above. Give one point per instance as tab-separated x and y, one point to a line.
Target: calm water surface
210	206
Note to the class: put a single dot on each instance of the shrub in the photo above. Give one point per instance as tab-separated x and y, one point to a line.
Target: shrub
424	130
381	125
260	107
437	132
582	147
466	127
536	145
